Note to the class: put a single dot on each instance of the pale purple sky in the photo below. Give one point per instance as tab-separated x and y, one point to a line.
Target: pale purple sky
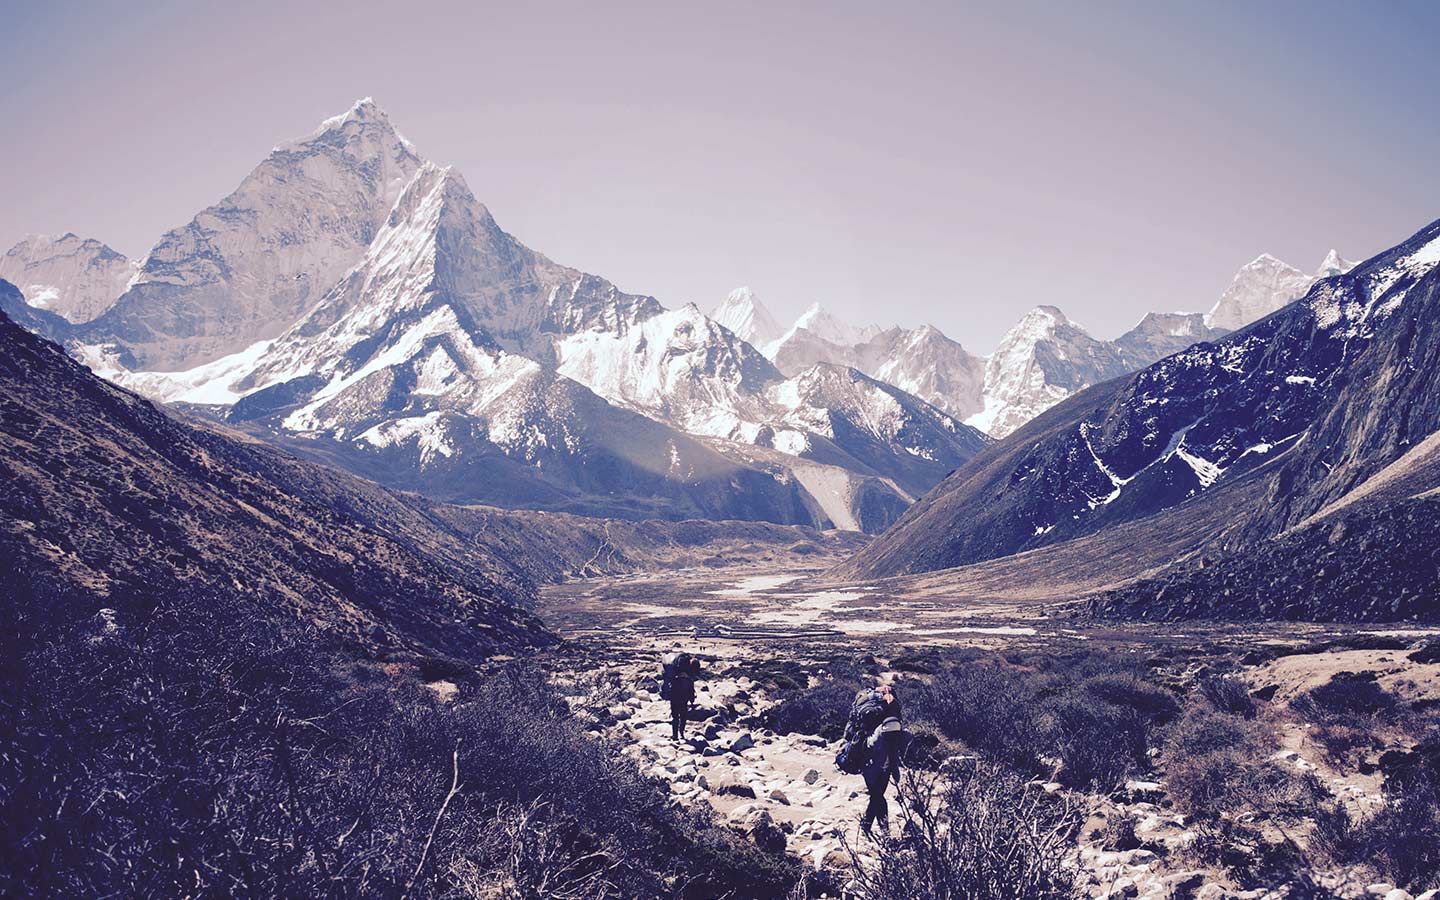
897	162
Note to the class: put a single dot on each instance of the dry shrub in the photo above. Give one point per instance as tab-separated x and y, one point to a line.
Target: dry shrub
1403	839
990	708
1214	761
1347	713
821	710
199	752
526	850
1228	695
1102	727
977	830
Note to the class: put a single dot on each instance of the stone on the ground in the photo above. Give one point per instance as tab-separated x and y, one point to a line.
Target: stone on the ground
1183	885
779	797
811	776
1144	791
1125	887
742	743
766	834
728	784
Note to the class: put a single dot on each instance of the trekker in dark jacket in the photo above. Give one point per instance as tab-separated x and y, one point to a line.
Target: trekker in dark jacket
682	694
882	763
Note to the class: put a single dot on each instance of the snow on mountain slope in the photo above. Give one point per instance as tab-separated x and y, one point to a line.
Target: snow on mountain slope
443	354
245	269
926	363
922	361
1333	264
834	412
1042	360
1266	284
1158	335
816	328
1251	434
77	278
391	375
823	324
743	313
678	366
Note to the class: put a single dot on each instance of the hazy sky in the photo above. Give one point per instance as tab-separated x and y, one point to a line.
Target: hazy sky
898	162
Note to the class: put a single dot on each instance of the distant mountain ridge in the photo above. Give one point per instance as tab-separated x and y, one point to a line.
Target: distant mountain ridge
353	300
1239	442
1043	359
1266	284
75	278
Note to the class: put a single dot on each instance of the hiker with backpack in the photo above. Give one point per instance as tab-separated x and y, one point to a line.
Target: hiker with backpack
677	684
874	743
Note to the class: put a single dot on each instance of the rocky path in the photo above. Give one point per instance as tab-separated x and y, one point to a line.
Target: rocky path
782	790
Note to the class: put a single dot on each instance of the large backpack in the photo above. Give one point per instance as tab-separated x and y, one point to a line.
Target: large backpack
866	714
671	665
851	758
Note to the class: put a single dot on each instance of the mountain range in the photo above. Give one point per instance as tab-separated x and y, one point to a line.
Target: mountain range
1296	449
355	302
1043	359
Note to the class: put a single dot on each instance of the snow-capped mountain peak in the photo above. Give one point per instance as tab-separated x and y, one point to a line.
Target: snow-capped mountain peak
1333	264
1262	286
823	324
1040	361
246	268
743	313
77	278
1266	284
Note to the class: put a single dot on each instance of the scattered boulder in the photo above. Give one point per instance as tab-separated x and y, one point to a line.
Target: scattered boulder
742	743
1183	885
766	834
1144	791
811	776
779	797
728	784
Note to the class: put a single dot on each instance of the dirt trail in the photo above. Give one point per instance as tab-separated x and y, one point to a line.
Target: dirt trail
743	771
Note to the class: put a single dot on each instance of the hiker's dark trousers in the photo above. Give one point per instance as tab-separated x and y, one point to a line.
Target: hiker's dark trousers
876	782
679	711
